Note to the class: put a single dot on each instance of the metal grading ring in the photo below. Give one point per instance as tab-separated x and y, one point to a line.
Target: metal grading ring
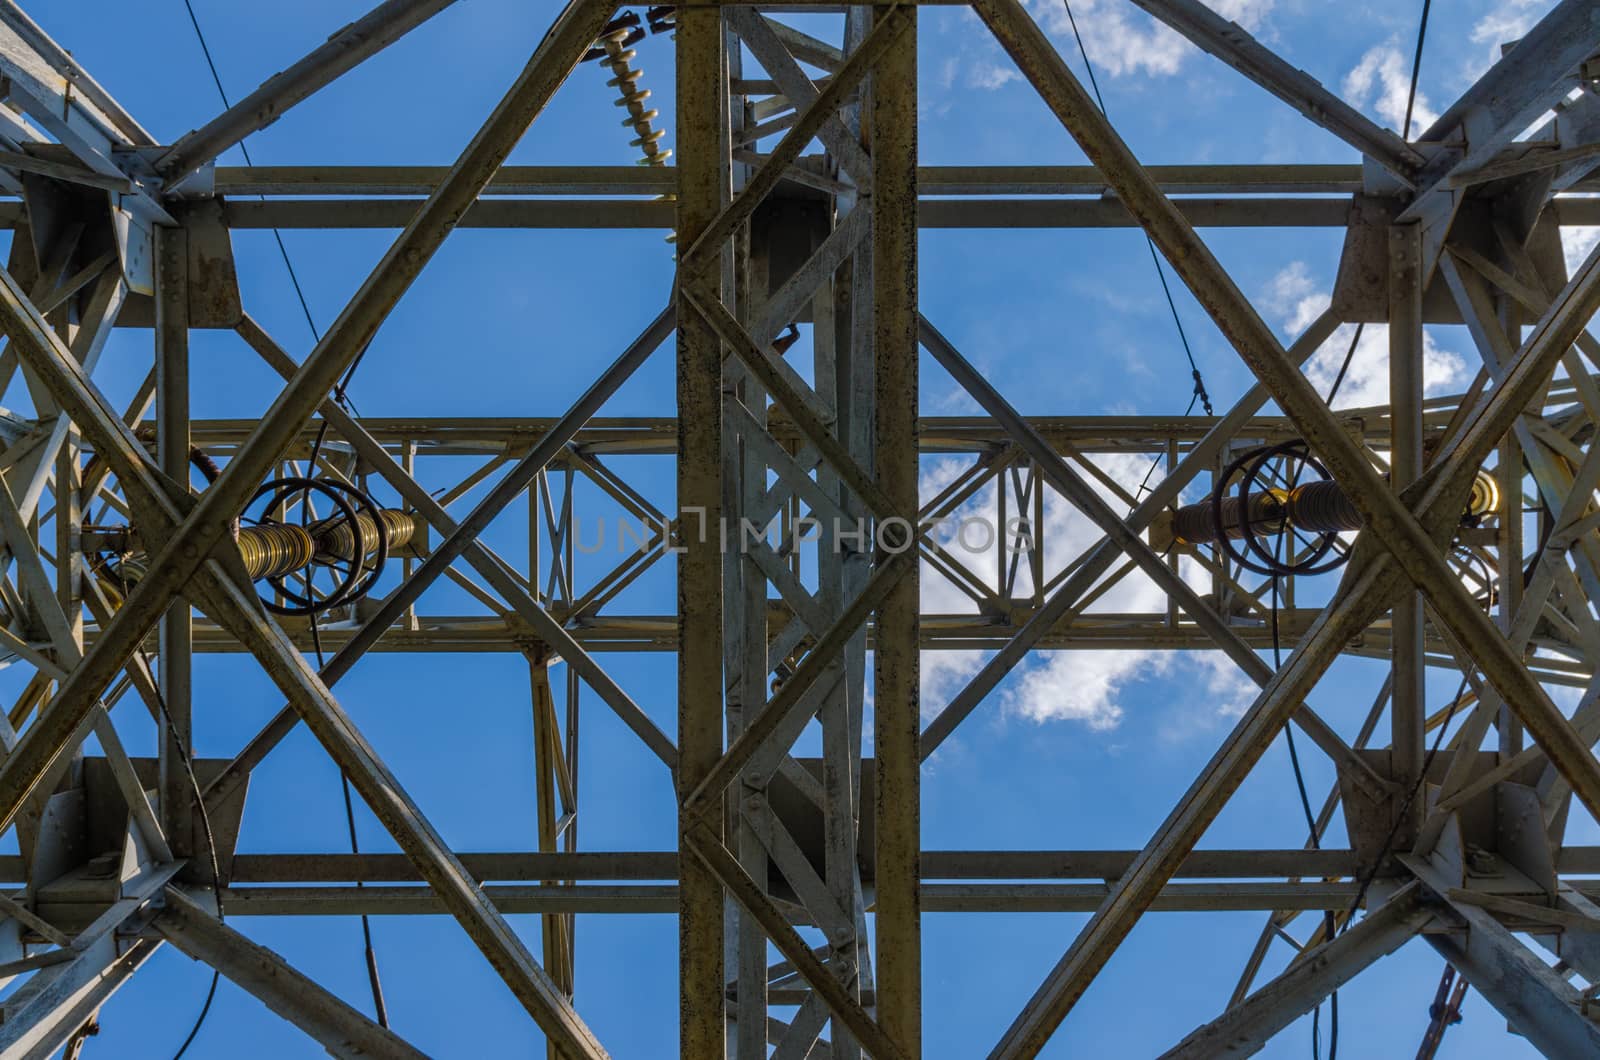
359	578
1249	467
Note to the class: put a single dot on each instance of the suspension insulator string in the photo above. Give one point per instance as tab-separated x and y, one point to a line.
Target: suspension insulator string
614	51
355	541
1255	498
334	539
275	549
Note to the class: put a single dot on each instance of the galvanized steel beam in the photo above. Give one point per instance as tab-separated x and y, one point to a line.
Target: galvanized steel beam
703	189
890	124
340	53
338	1027
1246	1027
1230	42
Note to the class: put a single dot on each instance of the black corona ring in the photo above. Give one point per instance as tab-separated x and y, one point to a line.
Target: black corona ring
1262	481
356	526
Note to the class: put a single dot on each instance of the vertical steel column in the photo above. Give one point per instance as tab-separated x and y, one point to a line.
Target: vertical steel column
745	618
702	181
841	757
1508	727
1407	705
69	524
555	928
1509	541
842	335
841	571
892	128
176	635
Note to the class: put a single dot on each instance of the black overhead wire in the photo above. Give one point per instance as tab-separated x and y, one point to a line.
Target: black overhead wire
1314	833
1416	68
1200	394
1194	369
339	396
283	250
1350	354
216	79
370	953
1332	926
211	848
205	826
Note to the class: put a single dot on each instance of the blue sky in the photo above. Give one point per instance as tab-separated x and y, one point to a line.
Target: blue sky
1082	750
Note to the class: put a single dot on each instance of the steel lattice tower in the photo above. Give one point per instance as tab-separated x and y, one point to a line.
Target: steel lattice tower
795	198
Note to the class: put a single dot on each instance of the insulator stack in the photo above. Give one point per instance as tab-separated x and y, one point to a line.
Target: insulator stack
1322	507
335	540
1317	507
1194	524
614	52
273	550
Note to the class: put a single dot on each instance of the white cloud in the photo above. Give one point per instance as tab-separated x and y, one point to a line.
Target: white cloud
1505	23
1293	297
1381	82
990	76
943	674
1081	686
1121	41
1578	243
1227	687
1295	300
1085	686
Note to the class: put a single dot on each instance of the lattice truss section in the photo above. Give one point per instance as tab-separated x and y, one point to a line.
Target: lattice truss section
805	559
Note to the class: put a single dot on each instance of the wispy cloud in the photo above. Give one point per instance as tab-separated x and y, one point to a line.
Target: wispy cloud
1089	687
1121	41
1381	82
1578	244
990	76
1507	22
1294	299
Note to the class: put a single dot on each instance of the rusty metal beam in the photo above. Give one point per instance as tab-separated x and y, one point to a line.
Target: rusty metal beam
890	121
703	190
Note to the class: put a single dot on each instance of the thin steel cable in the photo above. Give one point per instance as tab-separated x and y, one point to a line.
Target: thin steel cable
205	825
1311	827
222	93
1416	68
1349	356
283	250
371	954
211	851
1161	273
339	396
